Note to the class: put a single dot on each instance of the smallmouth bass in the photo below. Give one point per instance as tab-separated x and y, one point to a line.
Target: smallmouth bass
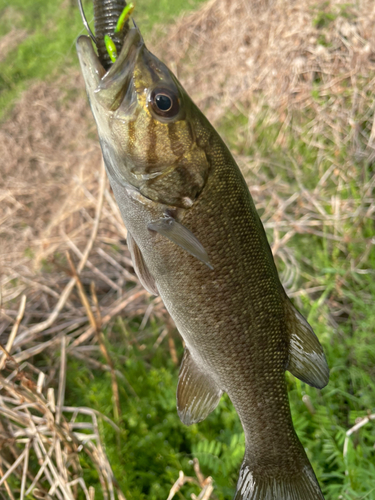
197	241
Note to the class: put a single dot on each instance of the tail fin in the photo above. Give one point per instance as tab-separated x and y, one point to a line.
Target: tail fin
302	486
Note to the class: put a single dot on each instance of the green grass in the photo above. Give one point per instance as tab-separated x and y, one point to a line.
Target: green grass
52	28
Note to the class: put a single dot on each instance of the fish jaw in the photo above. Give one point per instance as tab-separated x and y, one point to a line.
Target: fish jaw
112	98
107	90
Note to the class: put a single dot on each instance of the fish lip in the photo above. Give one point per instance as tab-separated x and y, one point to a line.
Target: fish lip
110	88
121	70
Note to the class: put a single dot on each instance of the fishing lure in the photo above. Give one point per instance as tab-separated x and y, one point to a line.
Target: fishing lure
111	25
109	43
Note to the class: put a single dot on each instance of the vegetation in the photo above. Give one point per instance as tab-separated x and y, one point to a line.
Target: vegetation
313	183
44	33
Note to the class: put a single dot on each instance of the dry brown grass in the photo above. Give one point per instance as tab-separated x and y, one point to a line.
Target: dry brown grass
231	56
56	198
37	427
228	53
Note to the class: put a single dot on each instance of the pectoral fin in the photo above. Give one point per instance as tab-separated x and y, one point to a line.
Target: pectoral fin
179	234
306	357
197	393
142	271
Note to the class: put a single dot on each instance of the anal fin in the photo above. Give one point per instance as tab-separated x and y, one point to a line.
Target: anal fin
140	267
306	356
197	392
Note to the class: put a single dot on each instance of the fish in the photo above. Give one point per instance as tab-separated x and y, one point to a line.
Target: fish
196	240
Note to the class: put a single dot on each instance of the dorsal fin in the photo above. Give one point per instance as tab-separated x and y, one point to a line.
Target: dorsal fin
306	357
140	267
197	392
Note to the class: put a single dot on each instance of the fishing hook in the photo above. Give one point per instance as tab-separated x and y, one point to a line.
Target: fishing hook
86	24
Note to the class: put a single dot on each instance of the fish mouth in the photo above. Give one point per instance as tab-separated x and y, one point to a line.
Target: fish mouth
116	82
124	64
109	87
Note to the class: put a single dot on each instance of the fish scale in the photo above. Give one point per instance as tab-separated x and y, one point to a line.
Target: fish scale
249	333
196	239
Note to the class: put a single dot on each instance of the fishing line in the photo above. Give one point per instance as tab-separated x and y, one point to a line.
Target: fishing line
86	24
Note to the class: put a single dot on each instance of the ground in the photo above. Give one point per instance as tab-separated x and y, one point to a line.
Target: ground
290	88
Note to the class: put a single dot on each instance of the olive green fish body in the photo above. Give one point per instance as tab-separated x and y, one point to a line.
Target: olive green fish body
197	240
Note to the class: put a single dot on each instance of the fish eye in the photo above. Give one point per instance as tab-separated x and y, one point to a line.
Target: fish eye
165	103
